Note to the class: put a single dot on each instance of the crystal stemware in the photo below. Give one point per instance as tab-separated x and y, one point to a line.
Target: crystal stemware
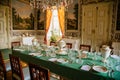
109	64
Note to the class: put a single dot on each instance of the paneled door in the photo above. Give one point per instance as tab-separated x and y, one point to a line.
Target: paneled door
4	32
96	23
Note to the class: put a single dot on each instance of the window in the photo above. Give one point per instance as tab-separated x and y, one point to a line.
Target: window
54	29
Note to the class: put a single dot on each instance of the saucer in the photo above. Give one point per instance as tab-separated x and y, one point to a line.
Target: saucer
36	54
101	69
61	60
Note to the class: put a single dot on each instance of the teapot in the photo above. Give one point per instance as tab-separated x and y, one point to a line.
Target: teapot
105	50
35	42
61	44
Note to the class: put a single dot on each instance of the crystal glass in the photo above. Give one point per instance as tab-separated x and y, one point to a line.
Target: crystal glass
72	56
105	50
79	60
48	52
110	65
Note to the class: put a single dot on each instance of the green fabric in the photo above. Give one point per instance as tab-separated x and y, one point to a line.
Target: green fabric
69	70
6	53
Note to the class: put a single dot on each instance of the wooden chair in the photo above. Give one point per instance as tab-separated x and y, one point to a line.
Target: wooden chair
18	73
115	48
69	45
5	68
38	73
53	44
85	47
15	44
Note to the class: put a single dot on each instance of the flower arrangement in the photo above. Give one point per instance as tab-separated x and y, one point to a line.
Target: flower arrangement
54	37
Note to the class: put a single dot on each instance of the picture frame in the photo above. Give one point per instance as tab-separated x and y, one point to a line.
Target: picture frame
22	15
72	16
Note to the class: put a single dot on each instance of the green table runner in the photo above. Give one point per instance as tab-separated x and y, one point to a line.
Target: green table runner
69	70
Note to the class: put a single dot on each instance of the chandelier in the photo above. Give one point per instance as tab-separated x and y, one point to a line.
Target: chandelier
45	4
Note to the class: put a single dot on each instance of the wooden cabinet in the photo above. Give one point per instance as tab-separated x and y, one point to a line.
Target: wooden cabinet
4	27
96	23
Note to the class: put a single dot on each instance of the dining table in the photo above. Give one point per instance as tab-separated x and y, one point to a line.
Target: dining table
73	70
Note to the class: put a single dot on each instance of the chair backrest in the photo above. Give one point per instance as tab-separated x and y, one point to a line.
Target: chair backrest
16	67
69	45
38	72
116	48
15	44
52	44
2	66
85	47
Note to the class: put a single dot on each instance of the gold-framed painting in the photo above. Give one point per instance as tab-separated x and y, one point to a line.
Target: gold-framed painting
72	16
22	15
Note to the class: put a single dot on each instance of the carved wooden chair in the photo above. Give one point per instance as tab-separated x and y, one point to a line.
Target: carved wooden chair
15	44
5	68
115	48
85	47
38	72
69	45
53	44
18	73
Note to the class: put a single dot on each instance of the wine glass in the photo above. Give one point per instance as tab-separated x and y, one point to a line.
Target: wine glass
71	56
109	64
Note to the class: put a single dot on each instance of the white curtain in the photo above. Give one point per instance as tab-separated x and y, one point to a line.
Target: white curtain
54	25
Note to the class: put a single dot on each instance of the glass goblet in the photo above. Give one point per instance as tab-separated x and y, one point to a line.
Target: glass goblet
109	64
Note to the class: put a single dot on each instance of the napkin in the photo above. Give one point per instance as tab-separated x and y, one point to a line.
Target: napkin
36	54
19	49
86	67
53	59
115	56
